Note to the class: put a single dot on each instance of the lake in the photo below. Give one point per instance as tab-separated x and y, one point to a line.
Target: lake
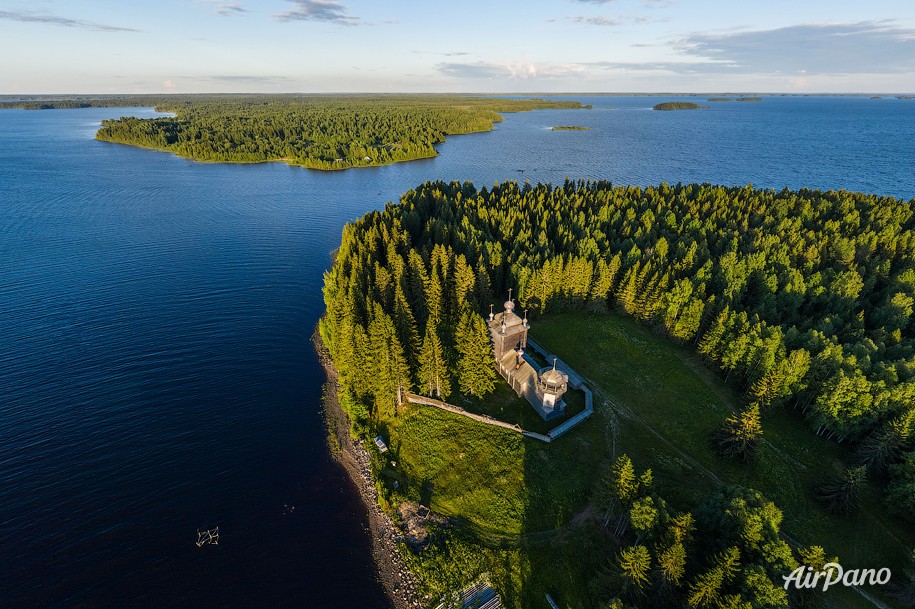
156	376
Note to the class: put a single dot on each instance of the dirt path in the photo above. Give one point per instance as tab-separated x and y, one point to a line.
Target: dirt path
623	411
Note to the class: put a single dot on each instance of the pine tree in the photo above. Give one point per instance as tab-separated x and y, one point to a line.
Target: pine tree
475	370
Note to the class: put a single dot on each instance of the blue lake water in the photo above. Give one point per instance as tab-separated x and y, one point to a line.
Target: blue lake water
155	371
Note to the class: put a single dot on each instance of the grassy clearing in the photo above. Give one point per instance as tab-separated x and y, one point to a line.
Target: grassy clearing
669	404
523	500
518	497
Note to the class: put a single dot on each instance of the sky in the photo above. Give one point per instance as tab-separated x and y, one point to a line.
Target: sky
497	46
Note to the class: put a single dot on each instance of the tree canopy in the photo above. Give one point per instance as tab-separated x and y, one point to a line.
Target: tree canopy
318	131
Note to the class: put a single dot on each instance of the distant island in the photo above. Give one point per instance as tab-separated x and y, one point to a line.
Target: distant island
730	99
677	106
570	128
327	132
671	304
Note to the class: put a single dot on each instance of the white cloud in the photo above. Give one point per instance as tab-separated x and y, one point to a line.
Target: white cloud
318	10
523	70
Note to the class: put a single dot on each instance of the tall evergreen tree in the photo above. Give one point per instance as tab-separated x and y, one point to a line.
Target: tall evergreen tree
842	493
634	565
434	378
740	434
476	372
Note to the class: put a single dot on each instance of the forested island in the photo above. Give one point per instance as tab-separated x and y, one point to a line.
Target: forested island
753	364
570	128
318	132
676	106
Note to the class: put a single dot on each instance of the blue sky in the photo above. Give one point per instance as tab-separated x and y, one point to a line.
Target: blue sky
185	46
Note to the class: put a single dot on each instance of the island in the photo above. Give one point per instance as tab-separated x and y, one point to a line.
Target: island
560	393
326	132
570	128
720	99
677	106
749	99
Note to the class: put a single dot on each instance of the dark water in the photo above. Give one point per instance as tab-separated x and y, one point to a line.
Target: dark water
155	370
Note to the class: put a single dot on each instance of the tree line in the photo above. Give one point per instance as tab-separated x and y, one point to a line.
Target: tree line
319	132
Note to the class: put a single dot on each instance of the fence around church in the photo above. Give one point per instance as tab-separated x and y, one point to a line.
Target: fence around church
575	380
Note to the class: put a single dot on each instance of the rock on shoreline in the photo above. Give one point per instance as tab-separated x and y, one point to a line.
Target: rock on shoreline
399	583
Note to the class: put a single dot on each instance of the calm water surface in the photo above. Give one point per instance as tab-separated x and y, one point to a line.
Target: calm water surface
155	371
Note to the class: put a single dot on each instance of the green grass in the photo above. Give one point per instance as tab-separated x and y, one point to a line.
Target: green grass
519	497
669	403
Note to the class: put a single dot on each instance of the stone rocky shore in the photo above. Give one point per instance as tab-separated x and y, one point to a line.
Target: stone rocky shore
399	583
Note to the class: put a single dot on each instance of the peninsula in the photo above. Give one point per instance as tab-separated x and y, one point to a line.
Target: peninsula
318	132
671	306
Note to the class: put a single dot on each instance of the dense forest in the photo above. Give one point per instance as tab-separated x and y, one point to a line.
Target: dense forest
319	132
802	299
676	106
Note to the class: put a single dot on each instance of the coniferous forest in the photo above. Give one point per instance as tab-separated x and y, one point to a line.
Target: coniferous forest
319	132
801	299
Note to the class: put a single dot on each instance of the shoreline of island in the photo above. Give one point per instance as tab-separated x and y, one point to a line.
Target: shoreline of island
399	584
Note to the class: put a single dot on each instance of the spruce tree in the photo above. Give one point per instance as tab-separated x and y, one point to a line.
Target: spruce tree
433	366
387	365
475	370
842	494
884	446
740	434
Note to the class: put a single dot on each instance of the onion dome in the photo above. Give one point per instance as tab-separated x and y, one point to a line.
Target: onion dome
509	305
